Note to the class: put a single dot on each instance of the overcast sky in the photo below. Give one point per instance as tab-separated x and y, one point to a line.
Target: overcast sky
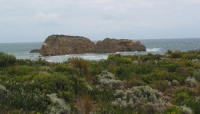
34	20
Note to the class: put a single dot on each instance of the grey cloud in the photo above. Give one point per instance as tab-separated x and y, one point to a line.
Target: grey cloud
48	18
100	18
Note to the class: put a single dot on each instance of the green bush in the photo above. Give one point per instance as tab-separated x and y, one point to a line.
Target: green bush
196	75
6	59
171	67
20	70
123	72
96	67
117	59
68	70
194	104
19	96
54	83
102	95
176	54
134	81
79	85
181	95
173	110
143	69
184	72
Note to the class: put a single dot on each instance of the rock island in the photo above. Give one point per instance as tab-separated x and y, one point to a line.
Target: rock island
63	44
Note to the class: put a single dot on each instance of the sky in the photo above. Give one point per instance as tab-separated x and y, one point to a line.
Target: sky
35	20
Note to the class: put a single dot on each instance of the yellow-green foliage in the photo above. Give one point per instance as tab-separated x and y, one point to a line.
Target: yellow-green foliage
181	95
117	59
20	70
162	75
174	110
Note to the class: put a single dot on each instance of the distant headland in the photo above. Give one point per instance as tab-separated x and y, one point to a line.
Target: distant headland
64	44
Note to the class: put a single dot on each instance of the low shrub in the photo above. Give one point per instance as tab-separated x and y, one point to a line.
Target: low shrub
134	81
68	70
176	54
80	64
96	67
175	83
161	85
124	72
6	59
59	106
194	104
102	95
181	95
17	96
191	82
186	110
108	80
20	70
174	110
196	75
138	97
54	83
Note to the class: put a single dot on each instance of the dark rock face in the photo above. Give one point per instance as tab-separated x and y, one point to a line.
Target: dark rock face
60	45
35	51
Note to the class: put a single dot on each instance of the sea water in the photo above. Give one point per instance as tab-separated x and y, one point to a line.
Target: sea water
154	46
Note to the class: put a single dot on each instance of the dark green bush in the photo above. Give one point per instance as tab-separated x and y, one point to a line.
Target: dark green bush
6	59
96	67
176	54
18	96
54	83
196	75
171	67
123	72
194	104
162	75
142	69
102	95
79	85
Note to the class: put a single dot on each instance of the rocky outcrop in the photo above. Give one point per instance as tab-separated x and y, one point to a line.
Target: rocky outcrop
35	51
61	44
113	45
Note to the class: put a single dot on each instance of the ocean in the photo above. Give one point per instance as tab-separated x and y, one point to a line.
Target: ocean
154	46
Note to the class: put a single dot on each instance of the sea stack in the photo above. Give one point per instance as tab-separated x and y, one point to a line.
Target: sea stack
118	45
62	44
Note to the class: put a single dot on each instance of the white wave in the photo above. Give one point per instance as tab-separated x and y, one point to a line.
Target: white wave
152	49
